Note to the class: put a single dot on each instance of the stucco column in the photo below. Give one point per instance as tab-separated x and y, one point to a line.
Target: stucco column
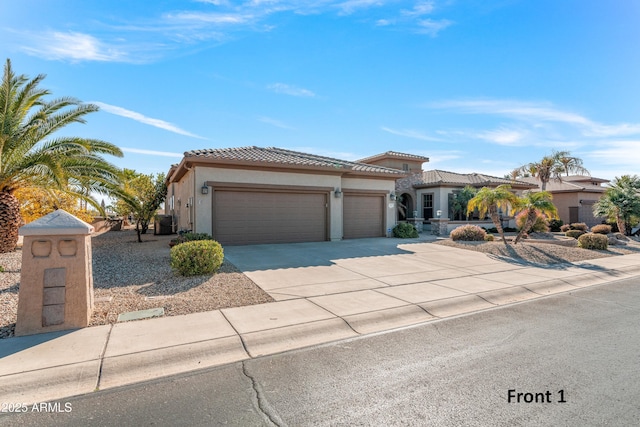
56	280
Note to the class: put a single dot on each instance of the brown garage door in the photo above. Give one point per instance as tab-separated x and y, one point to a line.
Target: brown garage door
363	216
253	217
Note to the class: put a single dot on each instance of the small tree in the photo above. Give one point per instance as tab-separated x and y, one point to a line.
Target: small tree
620	202
491	200
38	202
461	200
142	196
534	203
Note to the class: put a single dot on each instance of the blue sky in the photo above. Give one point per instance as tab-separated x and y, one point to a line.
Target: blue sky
476	85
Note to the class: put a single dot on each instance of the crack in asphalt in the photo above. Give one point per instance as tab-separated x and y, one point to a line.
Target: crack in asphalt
264	407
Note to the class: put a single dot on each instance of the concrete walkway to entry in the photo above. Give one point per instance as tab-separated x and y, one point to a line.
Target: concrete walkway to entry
324	292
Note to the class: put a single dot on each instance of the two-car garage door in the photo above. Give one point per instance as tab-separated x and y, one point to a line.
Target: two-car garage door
242	217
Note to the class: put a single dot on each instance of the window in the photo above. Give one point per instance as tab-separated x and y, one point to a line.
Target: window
405	167
427	206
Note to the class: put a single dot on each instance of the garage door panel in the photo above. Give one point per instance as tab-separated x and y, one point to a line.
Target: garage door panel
363	216
252	217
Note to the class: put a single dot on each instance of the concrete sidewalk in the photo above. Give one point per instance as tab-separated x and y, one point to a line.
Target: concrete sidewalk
324	292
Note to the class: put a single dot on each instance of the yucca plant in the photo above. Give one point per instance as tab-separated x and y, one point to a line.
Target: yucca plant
31	156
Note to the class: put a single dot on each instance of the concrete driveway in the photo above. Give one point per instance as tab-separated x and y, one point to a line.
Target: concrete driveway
403	271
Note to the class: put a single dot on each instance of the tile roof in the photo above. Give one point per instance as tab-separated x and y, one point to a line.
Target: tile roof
437	177
570	184
280	156
395	155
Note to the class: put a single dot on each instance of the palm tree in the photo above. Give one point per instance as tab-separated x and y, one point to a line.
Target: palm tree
620	202
30	155
491	201
570	164
535	203
553	167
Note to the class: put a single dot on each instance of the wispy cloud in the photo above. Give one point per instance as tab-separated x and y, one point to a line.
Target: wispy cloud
275	122
537	123
290	90
212	21
151	152
72	46
161	124
432	27
411	134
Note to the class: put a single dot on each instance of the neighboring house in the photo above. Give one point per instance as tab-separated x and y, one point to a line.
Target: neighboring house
253	195
574	197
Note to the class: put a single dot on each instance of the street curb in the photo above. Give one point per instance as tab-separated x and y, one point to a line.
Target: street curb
147	365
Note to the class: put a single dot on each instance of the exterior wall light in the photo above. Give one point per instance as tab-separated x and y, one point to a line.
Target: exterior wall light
338	193
392	196
439	213
204	189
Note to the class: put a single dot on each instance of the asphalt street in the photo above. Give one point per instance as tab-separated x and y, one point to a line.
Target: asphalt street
569	359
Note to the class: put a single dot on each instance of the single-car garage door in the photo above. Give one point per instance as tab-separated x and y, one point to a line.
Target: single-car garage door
253	217
363	216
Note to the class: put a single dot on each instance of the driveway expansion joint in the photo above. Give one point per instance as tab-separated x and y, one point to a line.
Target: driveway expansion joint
104	351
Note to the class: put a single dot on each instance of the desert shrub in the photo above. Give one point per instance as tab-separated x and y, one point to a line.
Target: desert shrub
539	225
555	225
509	229
489	237
593	241
405	230
468	233
565	228
574	233
601	229
579	226
197	257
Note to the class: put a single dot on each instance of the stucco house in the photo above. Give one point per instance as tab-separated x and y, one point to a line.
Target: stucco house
252	195
574	197
425	193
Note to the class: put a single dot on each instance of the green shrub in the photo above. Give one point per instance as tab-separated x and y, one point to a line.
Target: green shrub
538	226
555	225
509	229
197	257
579	226
405	230
488	237
593	241
601	229
565	228
1	269
574	233
469	233
490	230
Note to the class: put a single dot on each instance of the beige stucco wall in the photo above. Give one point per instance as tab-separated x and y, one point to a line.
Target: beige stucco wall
183	200
564	201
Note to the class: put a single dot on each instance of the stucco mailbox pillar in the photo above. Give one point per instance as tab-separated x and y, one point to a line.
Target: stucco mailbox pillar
56	281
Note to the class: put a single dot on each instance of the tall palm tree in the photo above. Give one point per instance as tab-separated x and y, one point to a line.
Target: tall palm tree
535	203
553	167
31	156
621	202
491	201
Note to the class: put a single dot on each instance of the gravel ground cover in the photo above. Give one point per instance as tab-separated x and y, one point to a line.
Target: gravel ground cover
130	276
544	253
